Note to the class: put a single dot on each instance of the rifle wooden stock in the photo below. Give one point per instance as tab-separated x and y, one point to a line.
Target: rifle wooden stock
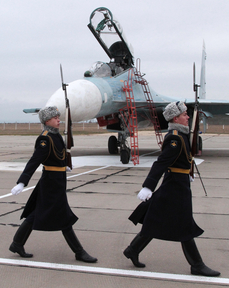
193	137
68	124
69	141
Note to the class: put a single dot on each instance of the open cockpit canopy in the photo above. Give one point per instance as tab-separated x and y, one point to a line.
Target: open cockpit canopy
109	34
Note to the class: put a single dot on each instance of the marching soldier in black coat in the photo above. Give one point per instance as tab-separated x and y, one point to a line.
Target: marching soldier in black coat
47	208
167	213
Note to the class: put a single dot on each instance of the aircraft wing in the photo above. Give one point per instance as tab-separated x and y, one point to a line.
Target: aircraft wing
214	107
211	107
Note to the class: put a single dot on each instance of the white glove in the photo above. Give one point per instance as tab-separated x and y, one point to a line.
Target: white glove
68	169
191	179
145	194
17	189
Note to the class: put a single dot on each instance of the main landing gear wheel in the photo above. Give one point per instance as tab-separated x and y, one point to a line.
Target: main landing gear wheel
125	156
113	145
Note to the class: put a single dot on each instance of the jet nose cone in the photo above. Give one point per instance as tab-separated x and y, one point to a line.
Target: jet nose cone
85	100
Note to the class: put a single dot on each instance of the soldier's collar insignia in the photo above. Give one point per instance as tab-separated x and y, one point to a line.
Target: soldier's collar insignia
173	143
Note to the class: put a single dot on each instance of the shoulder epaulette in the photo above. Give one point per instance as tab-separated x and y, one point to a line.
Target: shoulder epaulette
45	132
175	132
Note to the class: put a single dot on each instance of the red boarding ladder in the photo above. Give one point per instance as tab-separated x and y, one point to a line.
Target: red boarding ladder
129	115
150	104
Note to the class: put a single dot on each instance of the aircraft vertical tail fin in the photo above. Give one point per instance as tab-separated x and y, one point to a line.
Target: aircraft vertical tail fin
202	90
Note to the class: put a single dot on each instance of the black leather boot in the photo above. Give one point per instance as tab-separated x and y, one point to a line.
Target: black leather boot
20	237
194	259
135	247
74	244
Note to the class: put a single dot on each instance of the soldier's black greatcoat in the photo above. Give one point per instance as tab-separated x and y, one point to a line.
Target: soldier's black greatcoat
167	215
47	206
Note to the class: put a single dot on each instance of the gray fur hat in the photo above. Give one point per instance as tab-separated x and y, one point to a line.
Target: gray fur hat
174	109
47	113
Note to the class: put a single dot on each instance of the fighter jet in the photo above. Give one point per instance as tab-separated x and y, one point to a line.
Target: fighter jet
117	94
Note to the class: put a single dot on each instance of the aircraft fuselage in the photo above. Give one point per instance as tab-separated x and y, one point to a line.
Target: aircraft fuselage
93	97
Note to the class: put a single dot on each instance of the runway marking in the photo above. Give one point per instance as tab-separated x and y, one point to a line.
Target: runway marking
10	194
83	173
117	272
76	175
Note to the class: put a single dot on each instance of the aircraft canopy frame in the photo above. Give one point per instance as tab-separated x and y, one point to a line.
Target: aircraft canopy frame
109	34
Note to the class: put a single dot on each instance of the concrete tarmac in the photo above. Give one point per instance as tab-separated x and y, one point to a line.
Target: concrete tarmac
102	193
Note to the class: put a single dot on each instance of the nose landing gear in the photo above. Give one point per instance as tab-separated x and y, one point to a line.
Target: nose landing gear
121	142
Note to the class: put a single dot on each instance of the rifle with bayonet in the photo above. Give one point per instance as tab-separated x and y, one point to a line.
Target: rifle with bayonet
68	123
194	131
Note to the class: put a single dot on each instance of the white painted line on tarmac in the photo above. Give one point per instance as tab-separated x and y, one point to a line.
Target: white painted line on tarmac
76	175
10	194
117	272
111	160
83	173
82	161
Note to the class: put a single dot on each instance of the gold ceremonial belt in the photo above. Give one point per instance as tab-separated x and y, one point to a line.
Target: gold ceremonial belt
179	170
54	168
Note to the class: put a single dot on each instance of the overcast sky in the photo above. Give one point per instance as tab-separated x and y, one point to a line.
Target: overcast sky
167	35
